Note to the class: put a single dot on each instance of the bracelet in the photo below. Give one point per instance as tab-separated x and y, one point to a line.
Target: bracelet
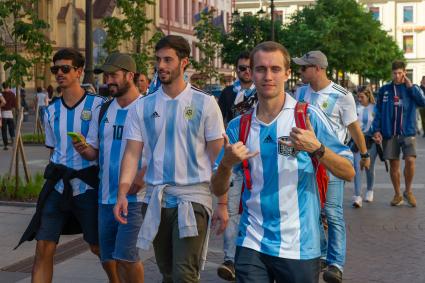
224	203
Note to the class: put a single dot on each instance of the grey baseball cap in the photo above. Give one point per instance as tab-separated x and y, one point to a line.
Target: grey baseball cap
316	58
117	61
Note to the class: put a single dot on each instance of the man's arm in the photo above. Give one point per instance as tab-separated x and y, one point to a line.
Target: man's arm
2	101
358	137
132	153
417	95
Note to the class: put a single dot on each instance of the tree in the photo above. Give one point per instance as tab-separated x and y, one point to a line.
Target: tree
342	29
131	27
23	44
246	33
209	44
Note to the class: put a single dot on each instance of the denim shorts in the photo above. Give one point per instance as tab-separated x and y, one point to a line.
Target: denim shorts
394	145
84	208
118	241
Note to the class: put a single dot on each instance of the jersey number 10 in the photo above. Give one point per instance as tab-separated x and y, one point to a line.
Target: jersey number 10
118	130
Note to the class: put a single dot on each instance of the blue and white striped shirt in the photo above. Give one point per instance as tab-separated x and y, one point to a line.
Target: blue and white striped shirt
365	115
59	119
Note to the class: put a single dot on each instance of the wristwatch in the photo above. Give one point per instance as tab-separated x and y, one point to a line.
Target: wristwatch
364	155
318	153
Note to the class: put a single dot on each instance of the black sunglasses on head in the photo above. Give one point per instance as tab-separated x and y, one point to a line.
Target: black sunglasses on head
243	68
64	68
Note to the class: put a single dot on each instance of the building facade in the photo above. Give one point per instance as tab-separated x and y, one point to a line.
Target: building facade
404	20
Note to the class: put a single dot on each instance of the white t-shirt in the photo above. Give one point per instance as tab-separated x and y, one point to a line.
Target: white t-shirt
337	103
41	99
175	133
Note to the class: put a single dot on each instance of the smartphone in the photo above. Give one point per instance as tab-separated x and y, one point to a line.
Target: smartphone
77	137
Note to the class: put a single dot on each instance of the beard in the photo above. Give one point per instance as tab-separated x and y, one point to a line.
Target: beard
120	90
172	76
245	81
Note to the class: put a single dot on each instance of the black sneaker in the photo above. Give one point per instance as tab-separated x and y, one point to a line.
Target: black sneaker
332	275
226	271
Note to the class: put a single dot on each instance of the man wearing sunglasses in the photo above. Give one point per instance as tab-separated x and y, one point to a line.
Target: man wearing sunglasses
240	91
68	200
339	105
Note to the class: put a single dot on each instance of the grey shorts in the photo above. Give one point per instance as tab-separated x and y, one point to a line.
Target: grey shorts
396	144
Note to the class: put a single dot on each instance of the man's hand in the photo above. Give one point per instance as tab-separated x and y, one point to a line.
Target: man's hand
304	140
235	153
364	163
80	147
121	209
407	81
377	137
220	214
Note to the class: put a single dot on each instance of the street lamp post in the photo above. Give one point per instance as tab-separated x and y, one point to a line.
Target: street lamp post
88	72
272	17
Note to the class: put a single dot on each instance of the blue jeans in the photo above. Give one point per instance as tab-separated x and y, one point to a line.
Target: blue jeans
231	232
333	248
370	173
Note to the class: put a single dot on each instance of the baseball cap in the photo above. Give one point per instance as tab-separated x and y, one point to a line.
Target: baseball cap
316	58
117	61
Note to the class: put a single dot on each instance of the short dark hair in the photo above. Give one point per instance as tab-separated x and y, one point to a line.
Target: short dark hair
70	54
137	76
398	64
39	89
243	55
271	46
5	85
176	42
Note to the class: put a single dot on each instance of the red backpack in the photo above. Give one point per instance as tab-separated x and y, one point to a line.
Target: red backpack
300	116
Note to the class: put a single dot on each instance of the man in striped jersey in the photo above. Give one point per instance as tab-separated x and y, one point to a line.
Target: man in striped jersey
338	104
179	128
279	233
73	112
118	252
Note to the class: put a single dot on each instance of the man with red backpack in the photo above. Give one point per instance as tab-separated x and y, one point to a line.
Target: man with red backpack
279	231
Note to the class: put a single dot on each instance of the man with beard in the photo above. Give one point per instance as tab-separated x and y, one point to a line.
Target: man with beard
71	184
240	91
118	251
179	128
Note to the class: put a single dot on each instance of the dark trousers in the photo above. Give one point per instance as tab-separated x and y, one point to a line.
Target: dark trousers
178	259
7	123
255	267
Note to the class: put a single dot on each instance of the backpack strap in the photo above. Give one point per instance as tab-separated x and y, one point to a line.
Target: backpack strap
244	126
103	109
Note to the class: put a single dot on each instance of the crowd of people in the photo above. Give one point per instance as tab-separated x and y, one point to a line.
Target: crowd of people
140	169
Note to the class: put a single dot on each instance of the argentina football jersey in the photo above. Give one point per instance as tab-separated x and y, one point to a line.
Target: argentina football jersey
336	102
59	119
281	212
366	114
107	137
175	132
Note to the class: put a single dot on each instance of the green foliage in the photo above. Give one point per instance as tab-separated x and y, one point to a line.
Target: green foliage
20	24
352	40
209	44
246	33
32	138
26	191
132	27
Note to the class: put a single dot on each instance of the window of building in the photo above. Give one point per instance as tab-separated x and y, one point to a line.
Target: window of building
278	16
408	43
408	14
375	13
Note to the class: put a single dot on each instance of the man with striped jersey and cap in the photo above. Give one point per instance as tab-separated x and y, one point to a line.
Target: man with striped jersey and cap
118	252
67	190
279	233
179	128
339	106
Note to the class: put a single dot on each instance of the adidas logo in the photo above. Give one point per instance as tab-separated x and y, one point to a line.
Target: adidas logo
106	120
155	115
268	139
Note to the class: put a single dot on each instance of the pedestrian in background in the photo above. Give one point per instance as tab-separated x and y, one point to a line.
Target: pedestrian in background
395	126
422	109
365	114
8	123
41	100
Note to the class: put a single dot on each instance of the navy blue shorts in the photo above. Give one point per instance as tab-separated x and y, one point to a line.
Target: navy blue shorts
255	267
118	241
84	208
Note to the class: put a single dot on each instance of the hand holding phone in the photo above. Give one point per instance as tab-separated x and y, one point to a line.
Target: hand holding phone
77	137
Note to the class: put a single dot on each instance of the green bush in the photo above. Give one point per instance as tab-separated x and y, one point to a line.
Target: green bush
33	138
26	191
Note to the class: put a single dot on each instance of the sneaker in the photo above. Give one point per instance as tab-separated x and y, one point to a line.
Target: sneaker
226	271
410	198
323	265
357	201
397	200
368	196
332	275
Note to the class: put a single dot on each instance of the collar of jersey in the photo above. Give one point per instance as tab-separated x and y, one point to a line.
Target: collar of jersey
325	90
290	103
180	96
76	104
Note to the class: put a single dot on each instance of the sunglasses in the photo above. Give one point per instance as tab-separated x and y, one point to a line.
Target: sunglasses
64	68
305	67
243	68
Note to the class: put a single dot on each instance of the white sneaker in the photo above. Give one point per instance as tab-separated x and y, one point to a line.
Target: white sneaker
357	201
368	196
